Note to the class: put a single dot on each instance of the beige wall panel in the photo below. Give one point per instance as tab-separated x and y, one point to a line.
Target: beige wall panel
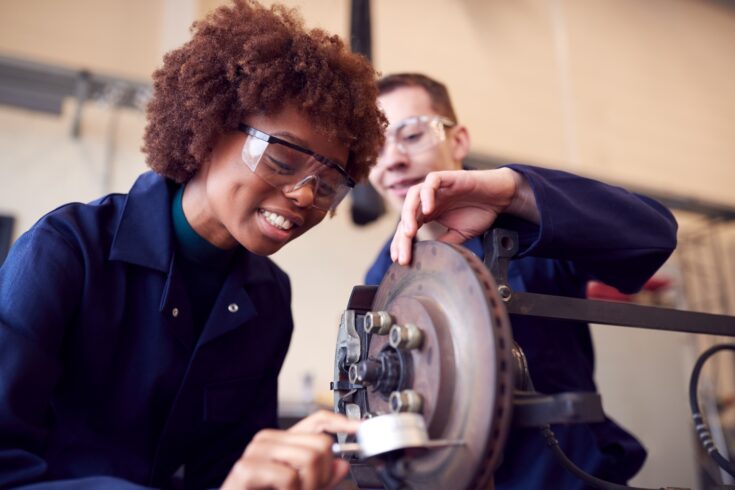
654	92
331	15
115	37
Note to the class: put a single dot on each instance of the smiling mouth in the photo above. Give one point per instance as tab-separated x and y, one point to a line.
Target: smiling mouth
405	184
277	220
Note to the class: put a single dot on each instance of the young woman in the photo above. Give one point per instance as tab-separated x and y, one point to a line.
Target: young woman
141	335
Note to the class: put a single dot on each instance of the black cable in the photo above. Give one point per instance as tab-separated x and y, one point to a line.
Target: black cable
525	375
705	436
569	465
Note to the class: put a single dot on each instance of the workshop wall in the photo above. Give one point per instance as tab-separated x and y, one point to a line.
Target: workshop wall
120	37
639	93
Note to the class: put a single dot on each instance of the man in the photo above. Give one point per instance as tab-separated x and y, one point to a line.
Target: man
571	230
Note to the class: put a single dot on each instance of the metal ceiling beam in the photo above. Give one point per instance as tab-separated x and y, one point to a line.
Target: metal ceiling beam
43	87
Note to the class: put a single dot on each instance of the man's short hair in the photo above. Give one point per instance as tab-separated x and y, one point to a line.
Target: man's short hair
437	91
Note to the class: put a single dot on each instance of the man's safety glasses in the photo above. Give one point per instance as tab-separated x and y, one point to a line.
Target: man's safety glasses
288	166
417	134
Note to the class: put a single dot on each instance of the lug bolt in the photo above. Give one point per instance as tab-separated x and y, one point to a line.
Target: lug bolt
407	336
378	322
405	401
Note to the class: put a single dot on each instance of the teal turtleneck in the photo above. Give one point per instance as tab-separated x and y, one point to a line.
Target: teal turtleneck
203	265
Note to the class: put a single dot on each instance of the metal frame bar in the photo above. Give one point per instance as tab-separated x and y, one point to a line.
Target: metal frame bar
501	245
620	314
43	87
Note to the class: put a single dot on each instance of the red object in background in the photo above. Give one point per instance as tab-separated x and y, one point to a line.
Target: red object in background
598	290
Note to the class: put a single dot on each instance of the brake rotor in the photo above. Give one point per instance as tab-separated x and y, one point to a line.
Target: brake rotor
460	372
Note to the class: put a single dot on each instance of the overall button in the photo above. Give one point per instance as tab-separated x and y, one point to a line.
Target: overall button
232	308
175	312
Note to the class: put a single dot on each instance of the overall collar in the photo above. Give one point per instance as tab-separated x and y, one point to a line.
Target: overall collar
144	235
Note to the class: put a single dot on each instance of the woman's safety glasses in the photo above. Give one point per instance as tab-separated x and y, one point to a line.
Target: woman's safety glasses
288	166
417	134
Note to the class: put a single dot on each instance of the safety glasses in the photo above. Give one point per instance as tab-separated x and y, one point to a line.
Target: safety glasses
288	166
416	134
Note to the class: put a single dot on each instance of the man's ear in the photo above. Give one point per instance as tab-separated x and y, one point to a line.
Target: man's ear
460	137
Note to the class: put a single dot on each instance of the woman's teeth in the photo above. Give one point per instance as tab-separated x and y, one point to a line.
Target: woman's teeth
276	220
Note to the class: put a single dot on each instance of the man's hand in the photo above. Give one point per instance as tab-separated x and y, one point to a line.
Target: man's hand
466	202
300	458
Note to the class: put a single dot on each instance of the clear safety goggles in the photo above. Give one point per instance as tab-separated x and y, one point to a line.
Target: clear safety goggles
417	134
288	166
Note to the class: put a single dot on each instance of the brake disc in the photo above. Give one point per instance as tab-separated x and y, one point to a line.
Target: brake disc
435	340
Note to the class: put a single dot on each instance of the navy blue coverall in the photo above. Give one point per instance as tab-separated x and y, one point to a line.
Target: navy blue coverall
104	382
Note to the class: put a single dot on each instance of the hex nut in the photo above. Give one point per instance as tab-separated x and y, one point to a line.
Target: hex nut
405	401
407	336
378	322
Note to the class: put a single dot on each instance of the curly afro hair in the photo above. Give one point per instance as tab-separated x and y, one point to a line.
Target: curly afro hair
245	59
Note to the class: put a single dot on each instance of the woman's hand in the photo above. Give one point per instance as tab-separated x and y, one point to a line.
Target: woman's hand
299	458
